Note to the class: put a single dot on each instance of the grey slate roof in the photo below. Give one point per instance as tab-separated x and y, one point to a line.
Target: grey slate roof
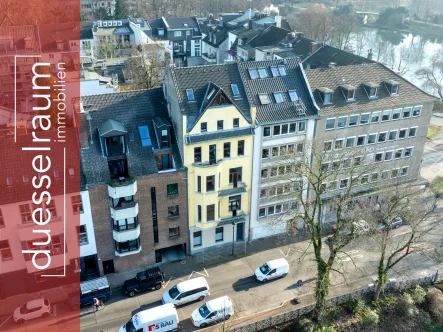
357	75
278	112
132	109
221	134
198	78
111	128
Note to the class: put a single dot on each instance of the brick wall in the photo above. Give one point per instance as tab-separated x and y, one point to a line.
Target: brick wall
103	226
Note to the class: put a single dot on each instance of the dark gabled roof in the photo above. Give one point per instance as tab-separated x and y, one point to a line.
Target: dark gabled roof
131	110
278	112
160	122
218	135
357	76
177	23
246	33
111	127
86	30
220	33
197	78
270	36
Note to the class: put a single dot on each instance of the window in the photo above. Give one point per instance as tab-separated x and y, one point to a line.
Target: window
278	96
197	239
271	211
264	99
364	119
265	153
382	137
293	95
82	235
172	189
226	150
263	193
292	128
374	177
358	161
396	114
2	221
324	167
364	179
338	144
144	136
264	173
241	148
372	91
26	214
386	116
276	131
336	165
402	133
416	111
407	112
284	129
210	212
266	131
235	90
302	126
210	183
220	125
342	121
378	157
199	213
346	163
77	206
235	175
344	183
330	124
408	152
174	232
236	122
173	211
252	72
353	120
262	72
327	98
197	154
404	171
389	155
333	185
203	127
219	234
350	94
272	191
275	150
385	175
190	94
398	153
161	32
393	135
393	90
199	184
375	117
372	139
282	70
212	154
394	173
327	146
412	132
361	140
5	250
275	72
177	33
262	212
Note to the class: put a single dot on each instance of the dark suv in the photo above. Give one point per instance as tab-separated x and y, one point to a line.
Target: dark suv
146	280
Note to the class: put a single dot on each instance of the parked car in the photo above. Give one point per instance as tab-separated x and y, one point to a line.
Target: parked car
212	312
271	270
96	288
150	279
187	291
395	223
31	310
163	318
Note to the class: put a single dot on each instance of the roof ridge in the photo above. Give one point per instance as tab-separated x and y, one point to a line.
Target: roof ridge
121	92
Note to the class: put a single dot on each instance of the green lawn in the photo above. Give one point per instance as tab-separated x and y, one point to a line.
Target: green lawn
437	185
433	130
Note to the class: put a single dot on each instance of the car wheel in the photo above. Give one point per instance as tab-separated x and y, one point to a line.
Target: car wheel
20	321
284	275
201	298
158	286
45	314
131	293
203	325
227	317
265	280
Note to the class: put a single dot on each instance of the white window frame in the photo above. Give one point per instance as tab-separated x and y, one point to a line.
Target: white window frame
409	132
348	161
398	111
326	123
298	126
281	97
389	112
364	176
401	153
270	131
356	122
177	33
388	172
335	182
324	144
407	170
392	155
342	143
347	184
355	141
369	119
396	135
386	137
346	122
403	112
372	176
376	137
379	116
364	142
412	151
398	172
419	107
381	159
406	133
293	92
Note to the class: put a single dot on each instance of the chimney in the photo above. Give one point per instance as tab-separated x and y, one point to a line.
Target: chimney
250	24
278	21
370	54
313	46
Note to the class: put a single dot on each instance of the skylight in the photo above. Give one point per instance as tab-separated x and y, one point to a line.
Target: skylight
264	99
262	72
235	90
253	73
278	97
190	94
293	95
275	72
144	136
210	94
282	70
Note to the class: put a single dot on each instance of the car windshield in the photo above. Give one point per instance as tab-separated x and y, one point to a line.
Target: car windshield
173	292
204	311
129	326
265	268
23	309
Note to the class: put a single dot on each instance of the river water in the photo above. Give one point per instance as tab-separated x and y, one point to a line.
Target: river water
402	52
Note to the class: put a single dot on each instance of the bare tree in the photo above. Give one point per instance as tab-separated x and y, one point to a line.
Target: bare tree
315	22
344	26
404	203
432	75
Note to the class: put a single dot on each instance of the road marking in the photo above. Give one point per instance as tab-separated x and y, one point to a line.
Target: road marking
348	256
5	321
294	250
204	275
165	285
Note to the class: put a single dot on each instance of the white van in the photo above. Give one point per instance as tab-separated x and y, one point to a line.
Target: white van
272	269
187	291
163	318
213	311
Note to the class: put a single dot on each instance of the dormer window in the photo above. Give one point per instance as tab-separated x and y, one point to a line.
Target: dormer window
161	32
371	90
190	94
278	97
264	99
253	73
392	87
262	72
326	95
239	41
348	92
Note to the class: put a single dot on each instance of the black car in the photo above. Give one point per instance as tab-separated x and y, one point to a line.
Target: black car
146	280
